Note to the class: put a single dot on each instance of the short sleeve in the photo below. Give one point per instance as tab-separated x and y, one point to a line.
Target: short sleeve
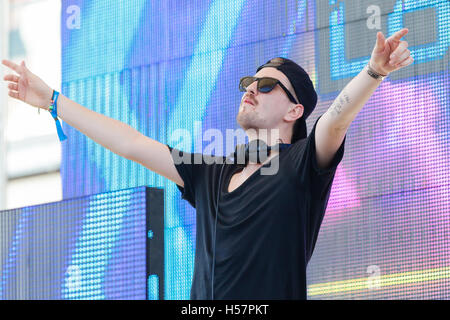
304	157
188	171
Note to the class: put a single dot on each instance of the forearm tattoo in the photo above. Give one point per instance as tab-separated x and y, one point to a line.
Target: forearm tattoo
336	107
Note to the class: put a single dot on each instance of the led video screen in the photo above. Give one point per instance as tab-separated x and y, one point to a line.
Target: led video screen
160	66
102	246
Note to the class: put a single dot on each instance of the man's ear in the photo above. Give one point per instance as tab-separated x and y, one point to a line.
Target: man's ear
295	112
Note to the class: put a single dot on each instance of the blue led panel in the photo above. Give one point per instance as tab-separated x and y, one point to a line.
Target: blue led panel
160	66
90	247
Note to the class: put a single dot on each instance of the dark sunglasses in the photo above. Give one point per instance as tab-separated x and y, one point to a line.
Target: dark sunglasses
264	85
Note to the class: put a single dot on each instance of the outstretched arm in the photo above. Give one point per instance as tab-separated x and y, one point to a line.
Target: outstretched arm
112	134
388	55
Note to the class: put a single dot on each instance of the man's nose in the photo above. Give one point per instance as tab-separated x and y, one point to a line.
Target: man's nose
253	88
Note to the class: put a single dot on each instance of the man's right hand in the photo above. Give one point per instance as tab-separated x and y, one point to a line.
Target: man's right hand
26	86
112	134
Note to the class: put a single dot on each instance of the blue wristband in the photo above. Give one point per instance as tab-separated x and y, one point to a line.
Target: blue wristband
54	113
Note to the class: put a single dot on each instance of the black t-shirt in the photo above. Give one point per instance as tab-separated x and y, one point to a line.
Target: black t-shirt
266	228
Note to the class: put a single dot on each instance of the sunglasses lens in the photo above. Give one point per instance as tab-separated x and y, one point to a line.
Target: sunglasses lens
266	85
245	82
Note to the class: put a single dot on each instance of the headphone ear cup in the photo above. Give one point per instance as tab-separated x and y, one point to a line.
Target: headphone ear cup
258	151
241	154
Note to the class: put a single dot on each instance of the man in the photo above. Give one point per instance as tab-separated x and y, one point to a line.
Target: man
255	233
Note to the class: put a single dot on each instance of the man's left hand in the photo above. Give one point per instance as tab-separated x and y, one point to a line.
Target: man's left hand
390	54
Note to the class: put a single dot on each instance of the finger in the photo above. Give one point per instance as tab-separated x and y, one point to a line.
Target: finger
402	47
13	94
399	57
11	65
11	77
381	40
406	62
13	86
399	34
405	54
23	65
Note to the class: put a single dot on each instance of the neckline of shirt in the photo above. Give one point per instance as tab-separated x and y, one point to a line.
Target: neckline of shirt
234	169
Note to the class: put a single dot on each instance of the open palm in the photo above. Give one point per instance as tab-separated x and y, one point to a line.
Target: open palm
26	86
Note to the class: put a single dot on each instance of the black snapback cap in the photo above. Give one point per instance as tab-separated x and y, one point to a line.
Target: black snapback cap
303	87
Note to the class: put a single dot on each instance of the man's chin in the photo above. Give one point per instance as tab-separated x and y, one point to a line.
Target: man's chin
244	122
240	121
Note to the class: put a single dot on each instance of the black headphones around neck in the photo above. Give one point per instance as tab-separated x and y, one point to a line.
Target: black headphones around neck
257	151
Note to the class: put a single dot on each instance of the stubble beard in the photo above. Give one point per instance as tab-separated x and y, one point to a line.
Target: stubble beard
247	118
